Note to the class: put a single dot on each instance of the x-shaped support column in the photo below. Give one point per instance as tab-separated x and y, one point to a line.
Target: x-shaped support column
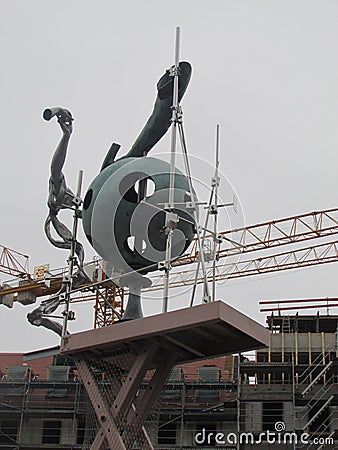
121	424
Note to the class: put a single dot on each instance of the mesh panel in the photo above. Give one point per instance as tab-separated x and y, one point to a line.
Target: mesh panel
17	373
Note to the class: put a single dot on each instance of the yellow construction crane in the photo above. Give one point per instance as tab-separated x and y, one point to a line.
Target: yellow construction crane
291	231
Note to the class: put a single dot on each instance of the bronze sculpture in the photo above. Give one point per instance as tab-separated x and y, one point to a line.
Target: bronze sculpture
116	206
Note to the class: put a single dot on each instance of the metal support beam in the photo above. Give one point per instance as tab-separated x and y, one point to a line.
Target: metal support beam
114	419
134	379
321	409
137	418
115	386
108	426
318	377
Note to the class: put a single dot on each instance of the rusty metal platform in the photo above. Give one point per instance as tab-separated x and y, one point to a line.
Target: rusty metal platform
203	331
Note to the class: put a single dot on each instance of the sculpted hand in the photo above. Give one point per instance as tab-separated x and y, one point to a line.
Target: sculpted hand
66	126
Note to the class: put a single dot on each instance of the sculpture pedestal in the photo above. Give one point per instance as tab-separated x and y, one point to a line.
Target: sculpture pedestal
114	362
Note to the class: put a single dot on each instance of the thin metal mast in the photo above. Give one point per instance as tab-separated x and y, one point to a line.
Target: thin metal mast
206	294
193	291
212	208
215	182
174	120
68	279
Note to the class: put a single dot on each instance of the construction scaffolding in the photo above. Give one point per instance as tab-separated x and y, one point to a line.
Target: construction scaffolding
54	411
48	412
293	383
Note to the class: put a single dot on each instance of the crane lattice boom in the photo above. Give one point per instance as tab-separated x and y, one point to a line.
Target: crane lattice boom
13	263
265	235
232	244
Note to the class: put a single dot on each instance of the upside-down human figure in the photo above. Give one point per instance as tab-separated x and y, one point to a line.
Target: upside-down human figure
60	197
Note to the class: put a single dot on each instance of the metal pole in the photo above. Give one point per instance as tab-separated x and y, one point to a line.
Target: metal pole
193	291
215	182
293	393
174	119
238	398
206	294
183	398
68	280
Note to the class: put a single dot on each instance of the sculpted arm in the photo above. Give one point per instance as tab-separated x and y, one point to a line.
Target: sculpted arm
60	155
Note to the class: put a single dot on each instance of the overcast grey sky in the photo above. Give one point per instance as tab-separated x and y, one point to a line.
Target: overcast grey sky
266	71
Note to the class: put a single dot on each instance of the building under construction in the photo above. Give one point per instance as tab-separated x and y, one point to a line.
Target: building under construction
287	391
